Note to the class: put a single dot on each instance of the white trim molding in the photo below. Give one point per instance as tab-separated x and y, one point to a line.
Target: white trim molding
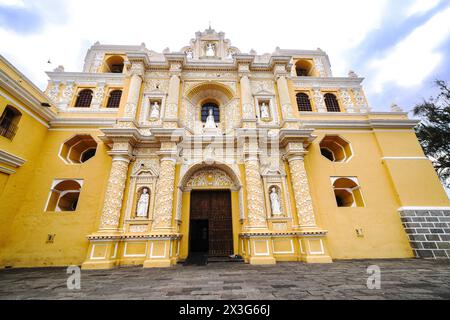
424	209
6	170
11	160
405	158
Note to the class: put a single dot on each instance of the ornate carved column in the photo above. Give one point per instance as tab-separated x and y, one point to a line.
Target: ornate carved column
248	108
257	216
162	217
295	156
172	98
136	72
285	99
112	205
171	112
319	100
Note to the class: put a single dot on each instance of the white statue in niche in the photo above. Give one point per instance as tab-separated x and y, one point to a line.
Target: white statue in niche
142	207
154	114
210	50
210	122
265	114
189	54
275	201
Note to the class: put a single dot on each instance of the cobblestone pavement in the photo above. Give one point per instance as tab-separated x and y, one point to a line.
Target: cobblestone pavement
400	279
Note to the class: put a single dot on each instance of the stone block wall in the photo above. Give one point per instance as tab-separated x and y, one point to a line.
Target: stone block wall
428	232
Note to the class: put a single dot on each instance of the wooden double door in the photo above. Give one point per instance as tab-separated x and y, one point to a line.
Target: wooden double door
211	226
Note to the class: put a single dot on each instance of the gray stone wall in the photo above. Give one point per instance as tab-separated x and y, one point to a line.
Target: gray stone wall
428	232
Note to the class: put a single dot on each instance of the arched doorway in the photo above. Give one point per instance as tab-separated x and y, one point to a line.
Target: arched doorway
211	211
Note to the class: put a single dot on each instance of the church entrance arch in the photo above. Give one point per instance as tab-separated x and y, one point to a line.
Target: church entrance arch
210	222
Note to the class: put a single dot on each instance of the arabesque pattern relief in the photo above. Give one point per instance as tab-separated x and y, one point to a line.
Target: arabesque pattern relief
214	178
114	195
302	193
255	195
164	195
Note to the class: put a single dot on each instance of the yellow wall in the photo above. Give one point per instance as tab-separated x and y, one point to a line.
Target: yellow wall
384	236
26	144
26	244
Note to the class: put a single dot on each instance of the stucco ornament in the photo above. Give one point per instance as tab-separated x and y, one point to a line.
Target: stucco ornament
302	193
319	100
361	102
164	195
210	178
347	100
320	67
98	95
255	195
53	92
68	92
158	85
263	87
114	194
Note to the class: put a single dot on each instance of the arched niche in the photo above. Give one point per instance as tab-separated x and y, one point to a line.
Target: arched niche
143	176
210	92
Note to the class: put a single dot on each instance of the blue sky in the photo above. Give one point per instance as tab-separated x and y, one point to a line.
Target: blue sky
399	46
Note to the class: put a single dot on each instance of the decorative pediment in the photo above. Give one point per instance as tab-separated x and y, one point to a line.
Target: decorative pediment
210	45
145	167
210	178
263	88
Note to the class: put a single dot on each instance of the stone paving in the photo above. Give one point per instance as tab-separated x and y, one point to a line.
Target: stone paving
400	279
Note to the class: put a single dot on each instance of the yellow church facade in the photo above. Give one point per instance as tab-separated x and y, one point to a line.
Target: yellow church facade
147	158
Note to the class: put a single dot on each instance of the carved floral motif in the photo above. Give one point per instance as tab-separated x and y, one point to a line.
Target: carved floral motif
156	85
210	178
319	100
361	102
114	195
347	100
164	195
255	195
302	193
53	92
68	92
263	86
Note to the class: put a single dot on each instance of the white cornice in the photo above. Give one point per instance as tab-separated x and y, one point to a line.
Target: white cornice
11	160
85	77
19	92
369	124
83	122
24	109
327	82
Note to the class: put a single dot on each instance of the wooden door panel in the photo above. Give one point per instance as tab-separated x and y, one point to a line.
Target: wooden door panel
215	206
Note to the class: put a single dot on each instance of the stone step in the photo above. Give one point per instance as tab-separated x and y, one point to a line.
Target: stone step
224	259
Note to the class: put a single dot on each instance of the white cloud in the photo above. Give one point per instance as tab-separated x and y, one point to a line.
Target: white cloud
411	61
12	3
421	6
334	26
